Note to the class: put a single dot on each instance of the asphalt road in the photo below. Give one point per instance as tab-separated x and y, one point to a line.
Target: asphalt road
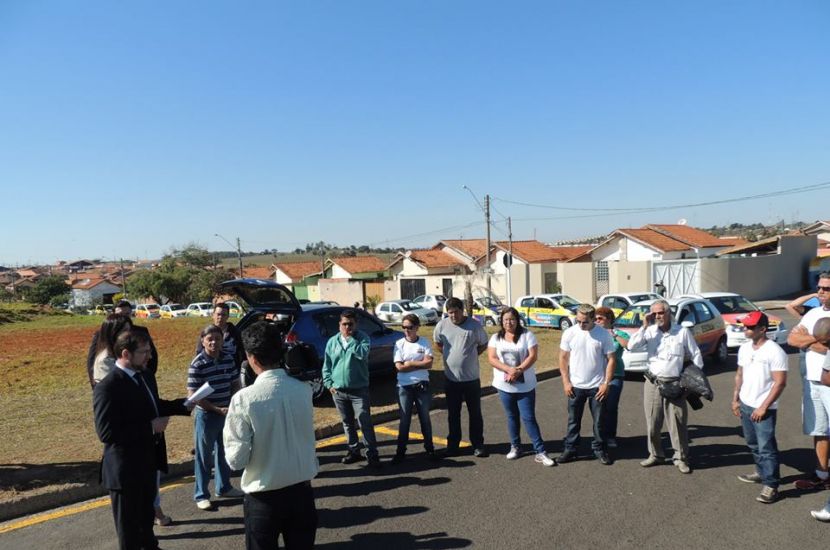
495	503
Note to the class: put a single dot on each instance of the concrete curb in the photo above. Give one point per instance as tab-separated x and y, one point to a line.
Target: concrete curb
34	504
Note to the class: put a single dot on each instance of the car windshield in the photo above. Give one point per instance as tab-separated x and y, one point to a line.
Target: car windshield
633	316
176	307
152	307
640	297
733	304
567	301
409	306
489	301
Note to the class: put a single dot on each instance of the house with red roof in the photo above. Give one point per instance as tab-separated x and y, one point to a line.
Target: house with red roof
89	290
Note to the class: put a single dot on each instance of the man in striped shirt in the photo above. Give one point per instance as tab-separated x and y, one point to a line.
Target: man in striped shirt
219	370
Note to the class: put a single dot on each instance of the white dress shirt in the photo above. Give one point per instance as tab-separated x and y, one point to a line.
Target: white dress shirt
666	350
269	431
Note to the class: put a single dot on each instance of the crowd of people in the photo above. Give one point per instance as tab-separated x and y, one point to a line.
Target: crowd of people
263	424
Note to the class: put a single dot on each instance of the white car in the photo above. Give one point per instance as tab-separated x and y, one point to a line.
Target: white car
394	312
697	314
621	300
431	301
200	309
733	307
170	311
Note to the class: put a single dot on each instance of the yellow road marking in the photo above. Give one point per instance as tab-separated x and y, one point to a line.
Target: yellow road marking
105	501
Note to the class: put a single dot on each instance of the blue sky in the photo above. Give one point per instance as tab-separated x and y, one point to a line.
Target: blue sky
128	129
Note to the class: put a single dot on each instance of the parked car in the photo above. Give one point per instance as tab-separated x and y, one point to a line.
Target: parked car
547	310
236	311
170	311
200	309
697	314
431	301
147	311
620	301
101	309
733	307
311	324
395	310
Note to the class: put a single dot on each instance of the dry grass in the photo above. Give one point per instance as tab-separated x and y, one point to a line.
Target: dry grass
47	402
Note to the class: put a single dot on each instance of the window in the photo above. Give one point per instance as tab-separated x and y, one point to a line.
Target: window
608	302
544	302
619	303
395	308
527	302
685	315
384	308
702	312
368	325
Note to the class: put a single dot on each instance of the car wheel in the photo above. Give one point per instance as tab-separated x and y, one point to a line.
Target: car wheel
721	351
490	322
564	324
318	390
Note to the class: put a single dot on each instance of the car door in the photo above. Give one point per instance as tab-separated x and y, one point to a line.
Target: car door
542	312
382	340
708	335
523	307
395	313
687	313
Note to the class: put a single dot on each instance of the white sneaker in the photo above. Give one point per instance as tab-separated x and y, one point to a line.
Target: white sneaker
204	504
543	458
513	454
821	515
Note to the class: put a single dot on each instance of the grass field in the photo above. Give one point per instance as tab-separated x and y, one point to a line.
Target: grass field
47	402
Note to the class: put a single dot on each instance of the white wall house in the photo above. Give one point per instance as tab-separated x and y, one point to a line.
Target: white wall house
89	291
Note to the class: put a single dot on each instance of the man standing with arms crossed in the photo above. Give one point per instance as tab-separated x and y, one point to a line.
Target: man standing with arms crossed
759	381
461	340
668	345
269	431
586	364
814	416
346	375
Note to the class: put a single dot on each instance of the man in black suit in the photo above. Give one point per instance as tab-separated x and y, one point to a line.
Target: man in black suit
121	308
130	420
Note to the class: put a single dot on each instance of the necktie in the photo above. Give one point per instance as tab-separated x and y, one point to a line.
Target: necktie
141	382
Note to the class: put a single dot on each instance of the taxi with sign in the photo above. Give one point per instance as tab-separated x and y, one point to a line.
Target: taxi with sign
697	314
547	310
734	307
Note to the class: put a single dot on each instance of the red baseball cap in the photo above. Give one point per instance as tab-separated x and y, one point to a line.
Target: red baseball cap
754	319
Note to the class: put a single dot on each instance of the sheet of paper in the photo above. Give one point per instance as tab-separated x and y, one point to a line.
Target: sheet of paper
199	394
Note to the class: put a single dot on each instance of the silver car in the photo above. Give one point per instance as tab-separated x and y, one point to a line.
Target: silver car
393	312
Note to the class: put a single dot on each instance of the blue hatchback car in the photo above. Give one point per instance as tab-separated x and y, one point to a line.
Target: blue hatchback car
312	324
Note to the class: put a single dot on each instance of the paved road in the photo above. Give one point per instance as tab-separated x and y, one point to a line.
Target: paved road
493	503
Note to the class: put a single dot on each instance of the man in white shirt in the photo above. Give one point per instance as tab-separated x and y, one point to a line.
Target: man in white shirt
815	421
759	381
269	431
586	364
668	346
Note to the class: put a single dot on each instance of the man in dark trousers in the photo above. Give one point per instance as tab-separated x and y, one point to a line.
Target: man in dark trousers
130	420
121	308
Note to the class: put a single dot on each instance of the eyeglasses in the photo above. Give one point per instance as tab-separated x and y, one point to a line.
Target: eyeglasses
349	324
659	312
823	288
409	327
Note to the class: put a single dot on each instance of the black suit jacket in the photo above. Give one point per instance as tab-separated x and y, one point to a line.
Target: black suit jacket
123	421
152	364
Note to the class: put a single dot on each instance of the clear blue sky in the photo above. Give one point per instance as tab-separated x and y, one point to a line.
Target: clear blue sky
128	129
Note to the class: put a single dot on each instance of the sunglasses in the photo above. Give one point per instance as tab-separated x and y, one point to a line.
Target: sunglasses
824	288
409	327
349	324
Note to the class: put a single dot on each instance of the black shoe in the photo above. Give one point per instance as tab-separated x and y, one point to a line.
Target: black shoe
433	456
603	457
373	462
481	452
397	459
451	452
568	455
351	458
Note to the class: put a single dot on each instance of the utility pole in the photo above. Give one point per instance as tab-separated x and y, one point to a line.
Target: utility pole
509	262
123	280
239	255
487	223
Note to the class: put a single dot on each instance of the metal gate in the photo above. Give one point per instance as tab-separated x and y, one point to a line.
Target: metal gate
600	279
412	288
679	276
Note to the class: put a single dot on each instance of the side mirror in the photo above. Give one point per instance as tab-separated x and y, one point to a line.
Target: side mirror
687	324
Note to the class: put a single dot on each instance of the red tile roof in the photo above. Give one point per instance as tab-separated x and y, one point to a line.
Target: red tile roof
360	264
691	236
258	272
298	270
654	239
535	252
434	258
89	282
473	248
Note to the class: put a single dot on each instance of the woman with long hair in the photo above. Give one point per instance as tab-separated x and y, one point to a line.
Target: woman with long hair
112	326
512	352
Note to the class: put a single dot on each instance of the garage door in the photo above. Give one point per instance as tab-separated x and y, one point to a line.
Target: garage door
412	288
679	276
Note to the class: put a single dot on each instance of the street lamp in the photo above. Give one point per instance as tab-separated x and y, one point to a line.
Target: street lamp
238	251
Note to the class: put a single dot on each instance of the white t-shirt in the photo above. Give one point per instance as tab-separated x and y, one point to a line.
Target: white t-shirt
412	351
512	355
814	360
758	366
589	355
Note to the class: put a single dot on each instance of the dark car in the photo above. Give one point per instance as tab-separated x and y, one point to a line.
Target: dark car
312	324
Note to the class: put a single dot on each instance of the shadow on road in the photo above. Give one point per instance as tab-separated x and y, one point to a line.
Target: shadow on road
400	541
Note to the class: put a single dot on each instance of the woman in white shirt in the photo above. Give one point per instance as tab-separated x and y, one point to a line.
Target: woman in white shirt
413	359
512	352
104	356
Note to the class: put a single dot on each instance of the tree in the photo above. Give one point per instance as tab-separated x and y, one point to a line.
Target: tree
47	288
204	285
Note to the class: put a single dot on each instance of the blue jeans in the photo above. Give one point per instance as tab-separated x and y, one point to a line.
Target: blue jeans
576	406
354	405
612	404
522	405
414	395
207	442
760	438
470	393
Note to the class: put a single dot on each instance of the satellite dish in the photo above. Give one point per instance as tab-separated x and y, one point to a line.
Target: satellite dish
682	221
